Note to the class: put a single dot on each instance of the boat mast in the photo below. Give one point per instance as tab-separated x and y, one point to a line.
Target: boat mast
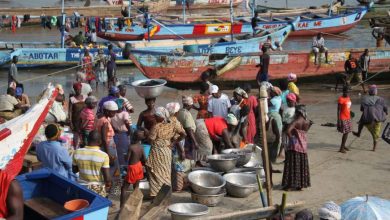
129	8
253	8
183	2
231	19
286	4
63	25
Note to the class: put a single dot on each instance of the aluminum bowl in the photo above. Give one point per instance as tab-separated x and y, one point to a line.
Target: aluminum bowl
247	170
184	211
145	188
149	91
209	200
206	182
240	185
222	162
244	155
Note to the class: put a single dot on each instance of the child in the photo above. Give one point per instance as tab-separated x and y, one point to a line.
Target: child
136	158
87	118
146	117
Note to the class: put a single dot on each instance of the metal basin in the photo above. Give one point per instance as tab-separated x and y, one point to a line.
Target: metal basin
240	185
154	89
244	155
209	200
256	160
206	169
206	182
222	162
184	211
247	170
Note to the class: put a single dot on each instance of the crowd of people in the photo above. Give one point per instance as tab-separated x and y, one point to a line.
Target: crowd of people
108	148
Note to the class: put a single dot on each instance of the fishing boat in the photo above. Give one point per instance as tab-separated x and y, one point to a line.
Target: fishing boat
50	56
224	46
202	4
364	2
186	68
17	134
309	25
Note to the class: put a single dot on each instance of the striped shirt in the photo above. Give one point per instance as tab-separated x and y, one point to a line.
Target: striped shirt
90	160
87	115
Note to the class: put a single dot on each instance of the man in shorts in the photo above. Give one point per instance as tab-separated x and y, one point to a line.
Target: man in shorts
318	48
352	71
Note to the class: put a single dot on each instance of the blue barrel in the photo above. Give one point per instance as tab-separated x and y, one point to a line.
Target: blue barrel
191	48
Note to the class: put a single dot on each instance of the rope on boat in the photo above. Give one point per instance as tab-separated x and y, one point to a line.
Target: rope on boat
49	74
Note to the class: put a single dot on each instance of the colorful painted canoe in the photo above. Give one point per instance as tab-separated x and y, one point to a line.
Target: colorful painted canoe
33	57
252	45
309	25
203	4
187	68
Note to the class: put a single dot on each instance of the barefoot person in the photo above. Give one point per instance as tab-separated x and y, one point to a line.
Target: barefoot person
344	124
296	167
162	137
136	158
93	165
374	112
147	118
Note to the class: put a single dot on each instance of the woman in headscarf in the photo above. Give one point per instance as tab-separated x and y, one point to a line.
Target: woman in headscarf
122	128
288	116
162	137
178	152
76	105
252	104
87	66
101	68
104	127
276	121
296	173
374	111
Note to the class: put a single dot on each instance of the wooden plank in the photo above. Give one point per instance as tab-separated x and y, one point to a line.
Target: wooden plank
159	204
258	213
132	208
46	207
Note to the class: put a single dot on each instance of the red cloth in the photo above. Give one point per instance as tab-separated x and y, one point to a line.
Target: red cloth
215	126
345	107
5	182
88	115
298	141
134	173
251	130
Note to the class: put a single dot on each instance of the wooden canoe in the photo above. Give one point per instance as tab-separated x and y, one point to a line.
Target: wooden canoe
188	67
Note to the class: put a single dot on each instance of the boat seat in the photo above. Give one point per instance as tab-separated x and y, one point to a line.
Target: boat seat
289	18
278	19
262	19
305	17
321	16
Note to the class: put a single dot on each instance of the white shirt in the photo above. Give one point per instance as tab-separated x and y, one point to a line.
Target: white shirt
93	37
220	106
318	42
7	102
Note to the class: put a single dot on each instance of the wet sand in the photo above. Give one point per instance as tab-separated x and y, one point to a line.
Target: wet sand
334	176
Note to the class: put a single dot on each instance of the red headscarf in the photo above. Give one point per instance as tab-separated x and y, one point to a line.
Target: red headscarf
77	86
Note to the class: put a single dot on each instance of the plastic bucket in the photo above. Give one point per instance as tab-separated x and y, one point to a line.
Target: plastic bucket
146	150
76	205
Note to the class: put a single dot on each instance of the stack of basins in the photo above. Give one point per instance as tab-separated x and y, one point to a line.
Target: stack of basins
208	184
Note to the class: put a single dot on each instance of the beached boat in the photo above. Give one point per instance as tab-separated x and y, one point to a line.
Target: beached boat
224	46
45	194
187	67
34	57
309	25
202	4
364	2
17	134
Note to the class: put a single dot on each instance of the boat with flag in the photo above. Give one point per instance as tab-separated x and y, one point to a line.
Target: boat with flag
251	45
309	25
188	67
202	4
